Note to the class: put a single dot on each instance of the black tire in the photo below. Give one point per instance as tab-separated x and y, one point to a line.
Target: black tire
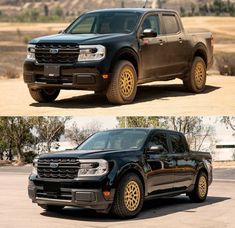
44	95
121	205
198	195
52	208
123	84
196	79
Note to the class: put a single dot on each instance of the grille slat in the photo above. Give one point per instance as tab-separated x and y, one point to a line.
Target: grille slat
66	168
67	53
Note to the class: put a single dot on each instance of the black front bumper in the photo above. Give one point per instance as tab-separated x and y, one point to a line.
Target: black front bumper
70	195
72	76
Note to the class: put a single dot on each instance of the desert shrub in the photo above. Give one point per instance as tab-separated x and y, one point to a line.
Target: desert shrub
29	156
226	63
26	39
11	73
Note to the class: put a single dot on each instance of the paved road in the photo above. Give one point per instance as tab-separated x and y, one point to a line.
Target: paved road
17	211
160	98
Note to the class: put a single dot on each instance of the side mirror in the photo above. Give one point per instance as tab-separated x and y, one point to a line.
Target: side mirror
156	149
148	33
61	31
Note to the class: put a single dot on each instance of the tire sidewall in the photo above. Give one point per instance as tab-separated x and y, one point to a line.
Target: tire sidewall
124	181
197	187
192	75
117	76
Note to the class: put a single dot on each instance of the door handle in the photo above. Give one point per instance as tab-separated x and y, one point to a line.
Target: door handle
180	40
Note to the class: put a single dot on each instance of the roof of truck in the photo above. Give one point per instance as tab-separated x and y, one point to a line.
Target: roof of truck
145	129
139	10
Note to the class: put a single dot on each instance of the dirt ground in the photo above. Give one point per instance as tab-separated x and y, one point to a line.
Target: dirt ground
159	98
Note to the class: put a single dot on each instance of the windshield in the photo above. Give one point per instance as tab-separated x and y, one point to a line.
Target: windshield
115	140
104	23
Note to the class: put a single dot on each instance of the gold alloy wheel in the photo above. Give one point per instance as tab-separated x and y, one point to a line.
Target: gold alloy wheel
127	82
132	196
202	186
199	75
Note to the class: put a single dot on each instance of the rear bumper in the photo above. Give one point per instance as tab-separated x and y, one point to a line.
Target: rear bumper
86	198
72	76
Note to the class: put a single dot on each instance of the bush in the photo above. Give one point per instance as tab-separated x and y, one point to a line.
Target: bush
29	156
11	73
226	63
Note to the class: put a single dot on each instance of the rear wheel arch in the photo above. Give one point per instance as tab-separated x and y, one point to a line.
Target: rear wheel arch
200	170
200	51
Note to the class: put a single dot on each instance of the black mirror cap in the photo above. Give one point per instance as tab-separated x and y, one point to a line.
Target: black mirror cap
61	32
148	33
156	149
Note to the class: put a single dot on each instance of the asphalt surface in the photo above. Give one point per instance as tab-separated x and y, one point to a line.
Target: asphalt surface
158	98
16	209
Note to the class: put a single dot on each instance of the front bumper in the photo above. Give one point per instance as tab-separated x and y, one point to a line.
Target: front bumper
70	195
72	76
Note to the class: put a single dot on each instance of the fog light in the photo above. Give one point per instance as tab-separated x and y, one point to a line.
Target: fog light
105	76
106	194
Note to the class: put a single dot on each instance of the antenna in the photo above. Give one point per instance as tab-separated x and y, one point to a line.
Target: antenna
145	4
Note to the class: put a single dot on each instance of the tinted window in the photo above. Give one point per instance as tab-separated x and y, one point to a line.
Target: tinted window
177	142
115	140
151	22
105	23
171	24
159	139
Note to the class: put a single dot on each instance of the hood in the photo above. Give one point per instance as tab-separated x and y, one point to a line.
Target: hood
87	154
77	38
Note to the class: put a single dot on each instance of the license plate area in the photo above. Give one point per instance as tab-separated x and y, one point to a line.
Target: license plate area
51	70
51	188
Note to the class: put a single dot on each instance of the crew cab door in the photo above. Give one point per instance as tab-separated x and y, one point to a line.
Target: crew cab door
177	45
160	165
185	170
152	49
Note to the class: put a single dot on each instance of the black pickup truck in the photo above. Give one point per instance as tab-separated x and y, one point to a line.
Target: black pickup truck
116	170
112	51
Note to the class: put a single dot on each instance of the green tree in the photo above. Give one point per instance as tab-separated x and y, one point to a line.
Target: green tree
78	134
16	131
49	129
138	121
194	129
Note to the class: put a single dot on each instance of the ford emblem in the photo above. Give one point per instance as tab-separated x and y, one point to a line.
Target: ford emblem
54	51
54	165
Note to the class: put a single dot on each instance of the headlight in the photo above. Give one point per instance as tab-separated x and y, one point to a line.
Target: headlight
35	165
91	53
31	52
92	167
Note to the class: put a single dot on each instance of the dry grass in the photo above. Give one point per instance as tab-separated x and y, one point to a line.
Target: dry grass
11	73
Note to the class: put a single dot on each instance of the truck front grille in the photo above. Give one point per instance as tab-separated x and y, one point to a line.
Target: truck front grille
58	168
57	53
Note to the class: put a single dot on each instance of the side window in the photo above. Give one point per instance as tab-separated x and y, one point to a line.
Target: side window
171	24
177	142
151	22
159	139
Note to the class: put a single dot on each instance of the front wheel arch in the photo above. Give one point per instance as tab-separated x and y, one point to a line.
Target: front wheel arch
127	54
135	170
